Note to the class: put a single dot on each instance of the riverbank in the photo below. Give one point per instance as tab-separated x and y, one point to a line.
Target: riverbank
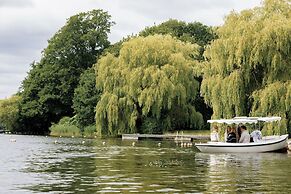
65	130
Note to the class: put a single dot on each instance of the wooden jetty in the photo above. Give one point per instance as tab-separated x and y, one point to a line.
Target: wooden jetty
177	137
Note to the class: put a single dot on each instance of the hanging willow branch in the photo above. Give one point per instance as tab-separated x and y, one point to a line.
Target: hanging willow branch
152	77
251	55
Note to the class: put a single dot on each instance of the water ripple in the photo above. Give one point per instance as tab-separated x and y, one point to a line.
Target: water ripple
66	165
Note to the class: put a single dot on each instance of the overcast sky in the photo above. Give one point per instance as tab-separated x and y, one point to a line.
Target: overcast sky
26	25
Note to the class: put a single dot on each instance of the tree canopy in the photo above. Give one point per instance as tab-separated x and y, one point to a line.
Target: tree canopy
248	67
9	113
152	79
48	90
85	99
193	32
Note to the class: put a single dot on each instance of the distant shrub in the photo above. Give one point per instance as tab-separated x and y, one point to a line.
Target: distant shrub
152	126
90	131
65	128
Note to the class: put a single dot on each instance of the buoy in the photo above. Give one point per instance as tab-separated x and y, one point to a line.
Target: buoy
73	136
159	144
83	142
12	140
60	136
133	144
56	141
103	142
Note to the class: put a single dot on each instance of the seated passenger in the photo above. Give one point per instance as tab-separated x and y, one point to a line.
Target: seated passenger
214	134
256	135
231	138
245	136
227	131
237	133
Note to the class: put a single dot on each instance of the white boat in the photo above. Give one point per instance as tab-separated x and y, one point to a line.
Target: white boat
267	144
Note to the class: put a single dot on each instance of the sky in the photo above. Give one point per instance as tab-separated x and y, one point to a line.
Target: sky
26	25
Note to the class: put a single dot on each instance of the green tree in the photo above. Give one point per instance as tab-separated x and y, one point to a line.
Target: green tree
152	78
114	49
248	66
191	32
274	99
49	87
9	113
85	99
194	32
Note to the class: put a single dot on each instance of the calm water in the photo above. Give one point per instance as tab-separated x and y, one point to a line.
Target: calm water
68	165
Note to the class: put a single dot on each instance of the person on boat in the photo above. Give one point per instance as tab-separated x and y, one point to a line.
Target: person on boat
227	131
238	133
236	130
256	135
231	137
245	136
214	134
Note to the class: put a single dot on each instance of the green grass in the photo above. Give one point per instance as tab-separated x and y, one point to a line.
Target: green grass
90	131
65	130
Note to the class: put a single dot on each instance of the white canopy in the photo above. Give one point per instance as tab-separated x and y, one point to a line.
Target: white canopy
244	120
269	119
233	121
244	117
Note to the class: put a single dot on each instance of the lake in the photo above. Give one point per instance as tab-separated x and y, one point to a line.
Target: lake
35	164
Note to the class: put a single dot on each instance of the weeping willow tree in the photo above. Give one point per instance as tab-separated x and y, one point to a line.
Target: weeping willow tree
151	80
9	113
248	67
274	99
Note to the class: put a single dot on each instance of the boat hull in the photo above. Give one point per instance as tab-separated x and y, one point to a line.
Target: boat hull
268	144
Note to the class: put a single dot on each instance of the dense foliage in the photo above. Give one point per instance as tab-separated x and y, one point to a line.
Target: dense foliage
85	99
195	32
153	77
248	70
49	87
9	113
86	96
65	127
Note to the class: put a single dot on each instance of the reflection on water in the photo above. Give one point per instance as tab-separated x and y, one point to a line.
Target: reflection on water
64	165
246	172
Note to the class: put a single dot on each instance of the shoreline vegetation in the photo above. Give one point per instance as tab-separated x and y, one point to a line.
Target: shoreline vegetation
66	129
168	77
69	131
